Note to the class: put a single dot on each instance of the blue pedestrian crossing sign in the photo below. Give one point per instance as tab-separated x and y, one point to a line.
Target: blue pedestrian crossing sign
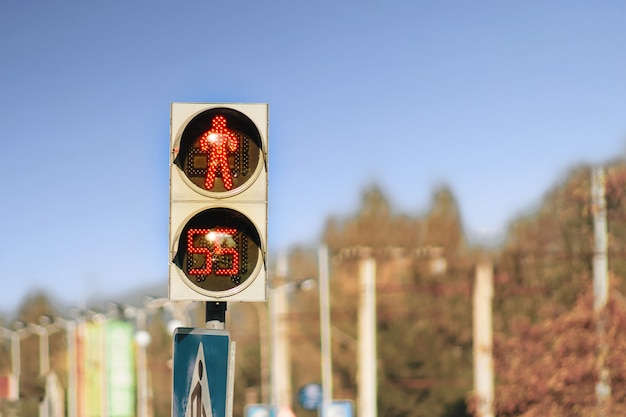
202	375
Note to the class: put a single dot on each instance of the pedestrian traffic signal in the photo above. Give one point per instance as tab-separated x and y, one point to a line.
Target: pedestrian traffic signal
218	202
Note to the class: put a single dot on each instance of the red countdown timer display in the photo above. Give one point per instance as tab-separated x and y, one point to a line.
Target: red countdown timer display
218	250
220	151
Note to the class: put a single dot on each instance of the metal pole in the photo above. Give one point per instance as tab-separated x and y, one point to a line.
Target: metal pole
44	351
279	311
324	295
367	381
44	363
215	315
281	372
80	360
600	261
600	286
263	333
16	360
14	338
142	338
72	372
483	359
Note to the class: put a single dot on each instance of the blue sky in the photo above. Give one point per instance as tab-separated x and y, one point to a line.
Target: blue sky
495	99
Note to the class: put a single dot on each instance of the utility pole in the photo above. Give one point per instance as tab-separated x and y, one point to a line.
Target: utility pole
14	381
279	332
324	295
367	380
483	356
600	286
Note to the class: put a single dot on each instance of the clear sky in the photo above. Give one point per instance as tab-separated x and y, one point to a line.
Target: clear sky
497	100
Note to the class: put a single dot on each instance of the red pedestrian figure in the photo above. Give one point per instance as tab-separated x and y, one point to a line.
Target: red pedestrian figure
218	143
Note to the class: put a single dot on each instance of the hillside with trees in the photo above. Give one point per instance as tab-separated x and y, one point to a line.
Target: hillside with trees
545	342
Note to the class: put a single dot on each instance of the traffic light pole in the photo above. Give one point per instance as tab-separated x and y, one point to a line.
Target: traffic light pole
215	316
218	239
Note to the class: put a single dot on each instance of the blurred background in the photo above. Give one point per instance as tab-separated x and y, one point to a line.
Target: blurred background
431	138
541	320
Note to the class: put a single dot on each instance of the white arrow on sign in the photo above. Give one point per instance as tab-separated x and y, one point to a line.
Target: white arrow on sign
199	400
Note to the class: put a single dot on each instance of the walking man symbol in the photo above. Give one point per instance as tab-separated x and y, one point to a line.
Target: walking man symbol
199	400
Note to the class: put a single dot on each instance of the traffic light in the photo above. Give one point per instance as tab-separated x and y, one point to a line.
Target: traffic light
218	202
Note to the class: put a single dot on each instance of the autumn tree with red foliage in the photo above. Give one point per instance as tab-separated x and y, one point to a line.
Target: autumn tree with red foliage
550	368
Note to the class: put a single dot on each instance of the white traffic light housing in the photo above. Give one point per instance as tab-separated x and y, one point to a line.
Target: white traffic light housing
218	202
